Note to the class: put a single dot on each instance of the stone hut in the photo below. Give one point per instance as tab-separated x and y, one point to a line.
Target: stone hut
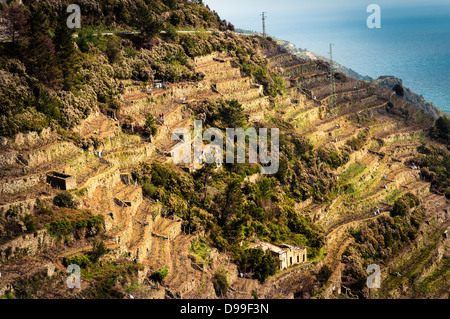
61	181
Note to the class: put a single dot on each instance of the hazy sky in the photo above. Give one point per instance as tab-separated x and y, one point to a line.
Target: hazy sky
246	13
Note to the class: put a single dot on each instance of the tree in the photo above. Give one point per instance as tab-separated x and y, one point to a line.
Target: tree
398	89
160	275
16	21
220	282
66	53
41	60
400	208
85	37
147	24
122	13
231	201
172	4
113	51
267	267
324	274
150	126
204	174
175	19
232	114
38	21
98	250
64	200
441	128
262	263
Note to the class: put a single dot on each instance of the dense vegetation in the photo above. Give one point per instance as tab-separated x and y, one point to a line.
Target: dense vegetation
50	78
61	222
435	167
381	239
230	210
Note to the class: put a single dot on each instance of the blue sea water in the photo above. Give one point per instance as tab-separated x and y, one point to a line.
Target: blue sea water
412	44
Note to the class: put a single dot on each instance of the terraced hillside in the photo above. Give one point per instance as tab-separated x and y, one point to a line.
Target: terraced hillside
361	181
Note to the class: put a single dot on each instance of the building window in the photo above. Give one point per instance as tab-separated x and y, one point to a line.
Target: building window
291	260
303	257
298	258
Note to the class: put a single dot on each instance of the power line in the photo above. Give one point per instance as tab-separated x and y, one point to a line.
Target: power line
264	23
332	99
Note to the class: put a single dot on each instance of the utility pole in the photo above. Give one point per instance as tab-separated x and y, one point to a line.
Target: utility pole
264	23
332	81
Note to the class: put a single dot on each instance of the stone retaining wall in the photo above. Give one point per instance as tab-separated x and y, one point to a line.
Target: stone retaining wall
21	184
32	243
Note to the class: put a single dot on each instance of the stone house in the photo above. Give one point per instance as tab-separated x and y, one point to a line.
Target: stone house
287	254
61	181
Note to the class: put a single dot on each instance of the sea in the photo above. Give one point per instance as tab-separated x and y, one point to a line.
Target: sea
413	43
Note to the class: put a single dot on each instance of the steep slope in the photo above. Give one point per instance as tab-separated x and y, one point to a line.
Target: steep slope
168	230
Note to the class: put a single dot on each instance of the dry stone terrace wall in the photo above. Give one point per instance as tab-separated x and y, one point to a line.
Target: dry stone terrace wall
256	105
352	95
25	207
219	73
280	59
313	81
206	58
323	91
299	70
245	95
8	159
215	71
21	184
231	85
30	243
32	139
309	115
131	157
109	177
190	89
369	101
91	118
52	152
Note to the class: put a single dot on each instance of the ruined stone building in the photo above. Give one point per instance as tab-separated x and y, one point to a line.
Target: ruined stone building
287	254
61	181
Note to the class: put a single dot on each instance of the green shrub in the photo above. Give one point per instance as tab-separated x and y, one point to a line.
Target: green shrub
60	227
400	208
86	37
220	282
98	250
441	128
29	224
398	89
82	261
64	200
95	222
150	126
265	188
403	205
160	275
324	274
262	264
332	157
